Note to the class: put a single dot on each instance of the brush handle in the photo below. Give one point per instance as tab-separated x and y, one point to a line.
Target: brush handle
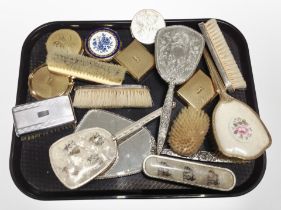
165	118
212	49
136	125
218	83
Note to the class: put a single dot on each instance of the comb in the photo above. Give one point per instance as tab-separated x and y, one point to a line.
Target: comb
85	68
103	96
222	56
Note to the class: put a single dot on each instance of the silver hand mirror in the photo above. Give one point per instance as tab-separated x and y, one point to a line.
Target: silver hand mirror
131	152
178	50
78	158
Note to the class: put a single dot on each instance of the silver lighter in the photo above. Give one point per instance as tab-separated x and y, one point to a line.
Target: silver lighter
43	114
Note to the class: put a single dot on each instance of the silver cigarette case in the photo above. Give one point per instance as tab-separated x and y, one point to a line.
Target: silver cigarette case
43	114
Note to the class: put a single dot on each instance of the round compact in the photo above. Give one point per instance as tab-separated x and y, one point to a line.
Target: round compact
65	39
44	84
103	44
145	25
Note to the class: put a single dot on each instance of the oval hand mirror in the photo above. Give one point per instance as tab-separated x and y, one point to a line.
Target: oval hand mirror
78	158
178	50
131	152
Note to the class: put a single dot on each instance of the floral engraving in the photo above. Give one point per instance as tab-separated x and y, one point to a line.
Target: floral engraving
178	51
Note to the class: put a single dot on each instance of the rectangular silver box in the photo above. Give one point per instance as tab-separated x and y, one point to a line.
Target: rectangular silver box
43	114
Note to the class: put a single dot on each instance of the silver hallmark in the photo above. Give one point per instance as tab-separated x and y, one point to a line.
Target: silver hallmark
178	50
43	114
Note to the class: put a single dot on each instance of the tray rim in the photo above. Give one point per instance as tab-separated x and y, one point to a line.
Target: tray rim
36	194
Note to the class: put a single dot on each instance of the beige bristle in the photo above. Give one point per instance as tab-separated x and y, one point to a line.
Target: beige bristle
112	97
227	62
188	131
85	68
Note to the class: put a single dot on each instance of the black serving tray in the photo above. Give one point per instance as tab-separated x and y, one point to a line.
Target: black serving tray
29	160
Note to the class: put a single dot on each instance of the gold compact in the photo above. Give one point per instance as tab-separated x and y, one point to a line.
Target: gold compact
197	91
65	39
44	84
137	59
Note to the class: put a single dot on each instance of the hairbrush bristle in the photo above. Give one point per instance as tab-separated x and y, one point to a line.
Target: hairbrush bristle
85	68
112	97
188	131
222	56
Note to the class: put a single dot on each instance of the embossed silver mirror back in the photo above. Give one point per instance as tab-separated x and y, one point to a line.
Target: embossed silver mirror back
78	158
178	50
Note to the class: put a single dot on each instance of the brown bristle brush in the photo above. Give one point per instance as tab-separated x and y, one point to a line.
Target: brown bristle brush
188	131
